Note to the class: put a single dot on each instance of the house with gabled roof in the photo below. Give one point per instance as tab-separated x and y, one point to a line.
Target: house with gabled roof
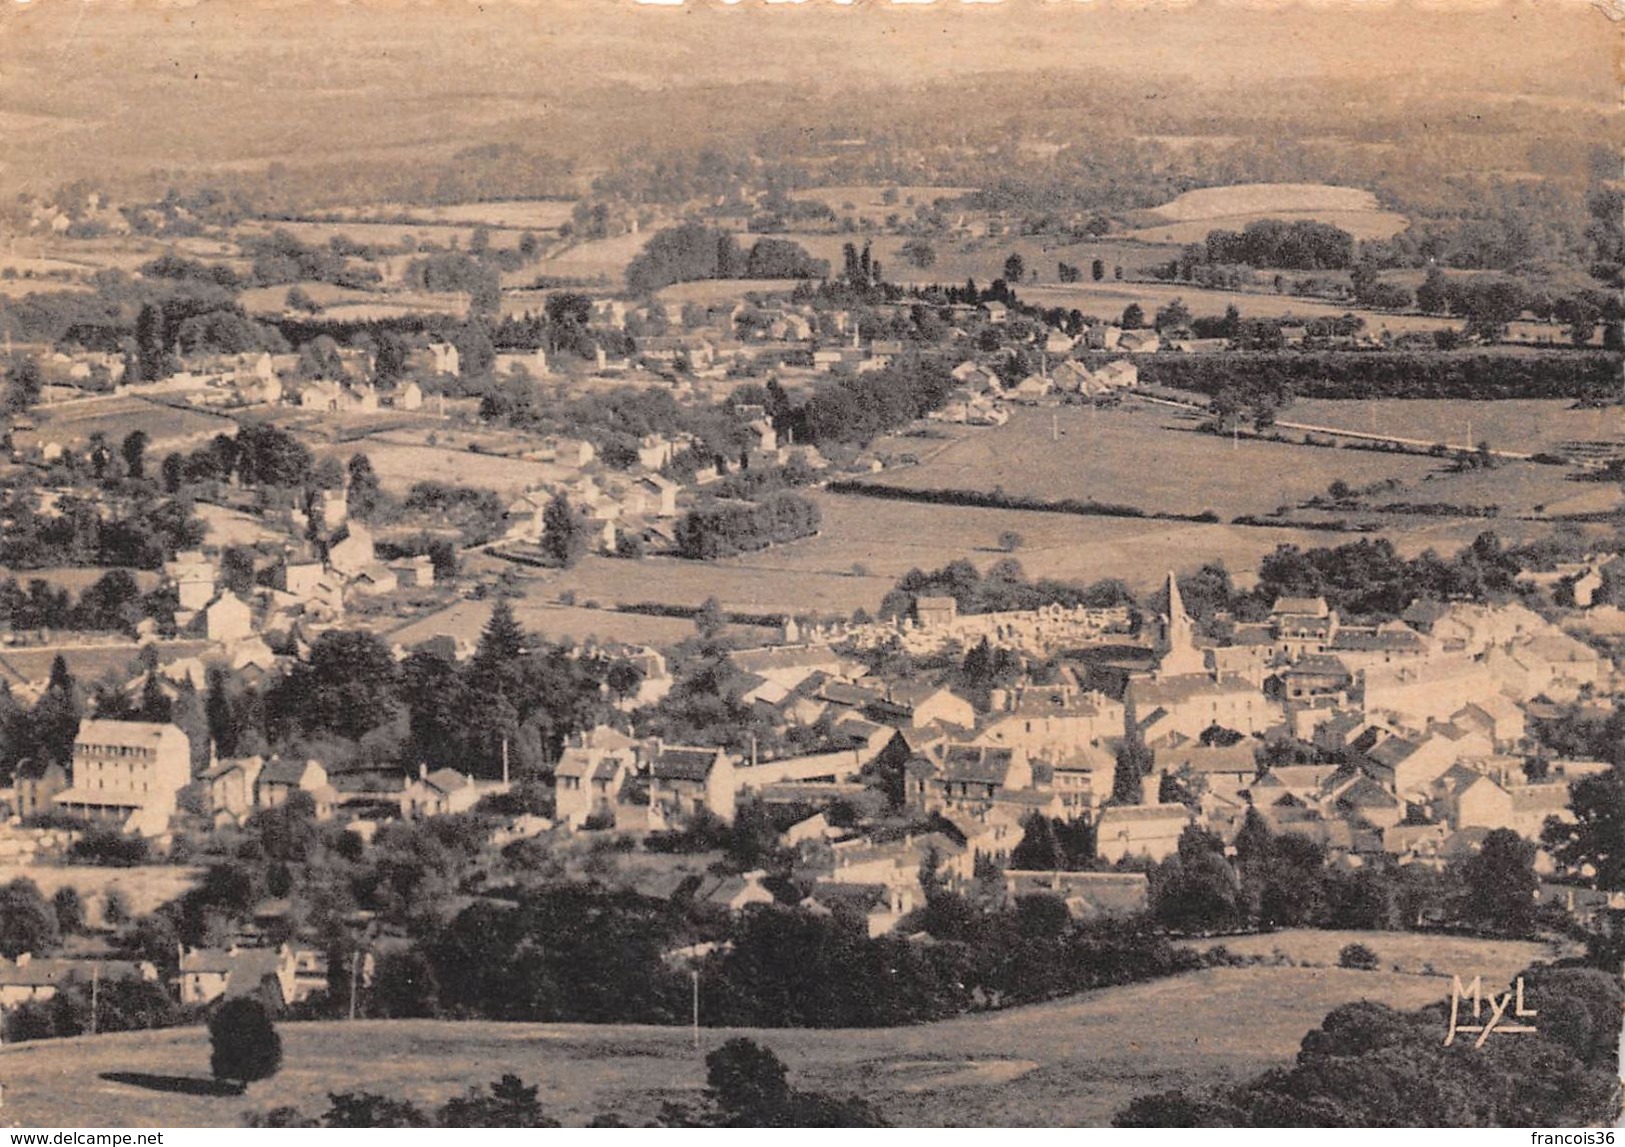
1497	717
588	780
441	792
1364	799
684	780
1407	766
210	974
978	774
1463	797
1087	895
1149	829
282	777
873	908
33	979
226	789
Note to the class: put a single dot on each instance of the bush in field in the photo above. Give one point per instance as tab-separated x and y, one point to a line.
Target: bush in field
1358	956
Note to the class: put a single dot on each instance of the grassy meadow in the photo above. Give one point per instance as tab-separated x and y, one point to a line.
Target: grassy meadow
1072	1062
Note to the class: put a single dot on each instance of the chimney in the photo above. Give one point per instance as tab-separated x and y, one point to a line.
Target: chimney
1151	788
24	959
423	770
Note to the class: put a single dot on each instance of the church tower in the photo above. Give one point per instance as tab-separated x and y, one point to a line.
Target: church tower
1180	658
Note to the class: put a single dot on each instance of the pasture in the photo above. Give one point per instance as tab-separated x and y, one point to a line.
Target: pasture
509	214
1071	1062
866	544
595	258
465	620
710	292
1192	215
167	428
346	303
1409	952
399	466
1144	456
145	887
319	232
871	200
1521	425
1107	300
981	259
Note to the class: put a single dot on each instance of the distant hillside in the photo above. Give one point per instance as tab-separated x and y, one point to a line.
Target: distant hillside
1072	1062
1192	215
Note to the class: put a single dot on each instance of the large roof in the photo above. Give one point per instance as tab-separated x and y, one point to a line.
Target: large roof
683	764
125	734
977	764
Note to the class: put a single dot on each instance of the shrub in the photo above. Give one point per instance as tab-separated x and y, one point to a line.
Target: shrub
244	1046
1358	956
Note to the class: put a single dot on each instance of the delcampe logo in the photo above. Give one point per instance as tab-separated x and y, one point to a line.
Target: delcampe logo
1497	1009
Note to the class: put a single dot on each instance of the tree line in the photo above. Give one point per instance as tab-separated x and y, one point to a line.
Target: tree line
1402	374
694	251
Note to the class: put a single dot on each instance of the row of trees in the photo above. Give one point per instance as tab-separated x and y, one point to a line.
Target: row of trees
1301	245
1408	374
573	953
1283	881
695	251
1004	587
139	531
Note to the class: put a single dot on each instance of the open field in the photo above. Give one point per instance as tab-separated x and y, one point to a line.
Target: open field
145	887
722	290
890	538
871	200
513	214
167	427
343	302
466	620
315	232
1073	1062
227	527
981	259
399	467
1522	425
866	544
596	257
88	662
1496	960
1138	455
1519	488
766	589
1192	215
1107	300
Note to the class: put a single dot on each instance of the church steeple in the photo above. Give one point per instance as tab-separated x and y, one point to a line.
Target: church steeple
1181	658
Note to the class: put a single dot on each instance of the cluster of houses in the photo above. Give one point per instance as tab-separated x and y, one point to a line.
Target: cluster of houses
265	379
137	778
308	592
1403	742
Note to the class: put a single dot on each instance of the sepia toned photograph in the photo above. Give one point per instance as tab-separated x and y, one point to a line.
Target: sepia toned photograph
596	564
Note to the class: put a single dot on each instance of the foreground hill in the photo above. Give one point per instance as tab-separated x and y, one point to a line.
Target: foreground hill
1071	1062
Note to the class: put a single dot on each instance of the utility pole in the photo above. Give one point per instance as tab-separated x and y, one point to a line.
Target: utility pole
355	965
95	994
505	763
695	973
